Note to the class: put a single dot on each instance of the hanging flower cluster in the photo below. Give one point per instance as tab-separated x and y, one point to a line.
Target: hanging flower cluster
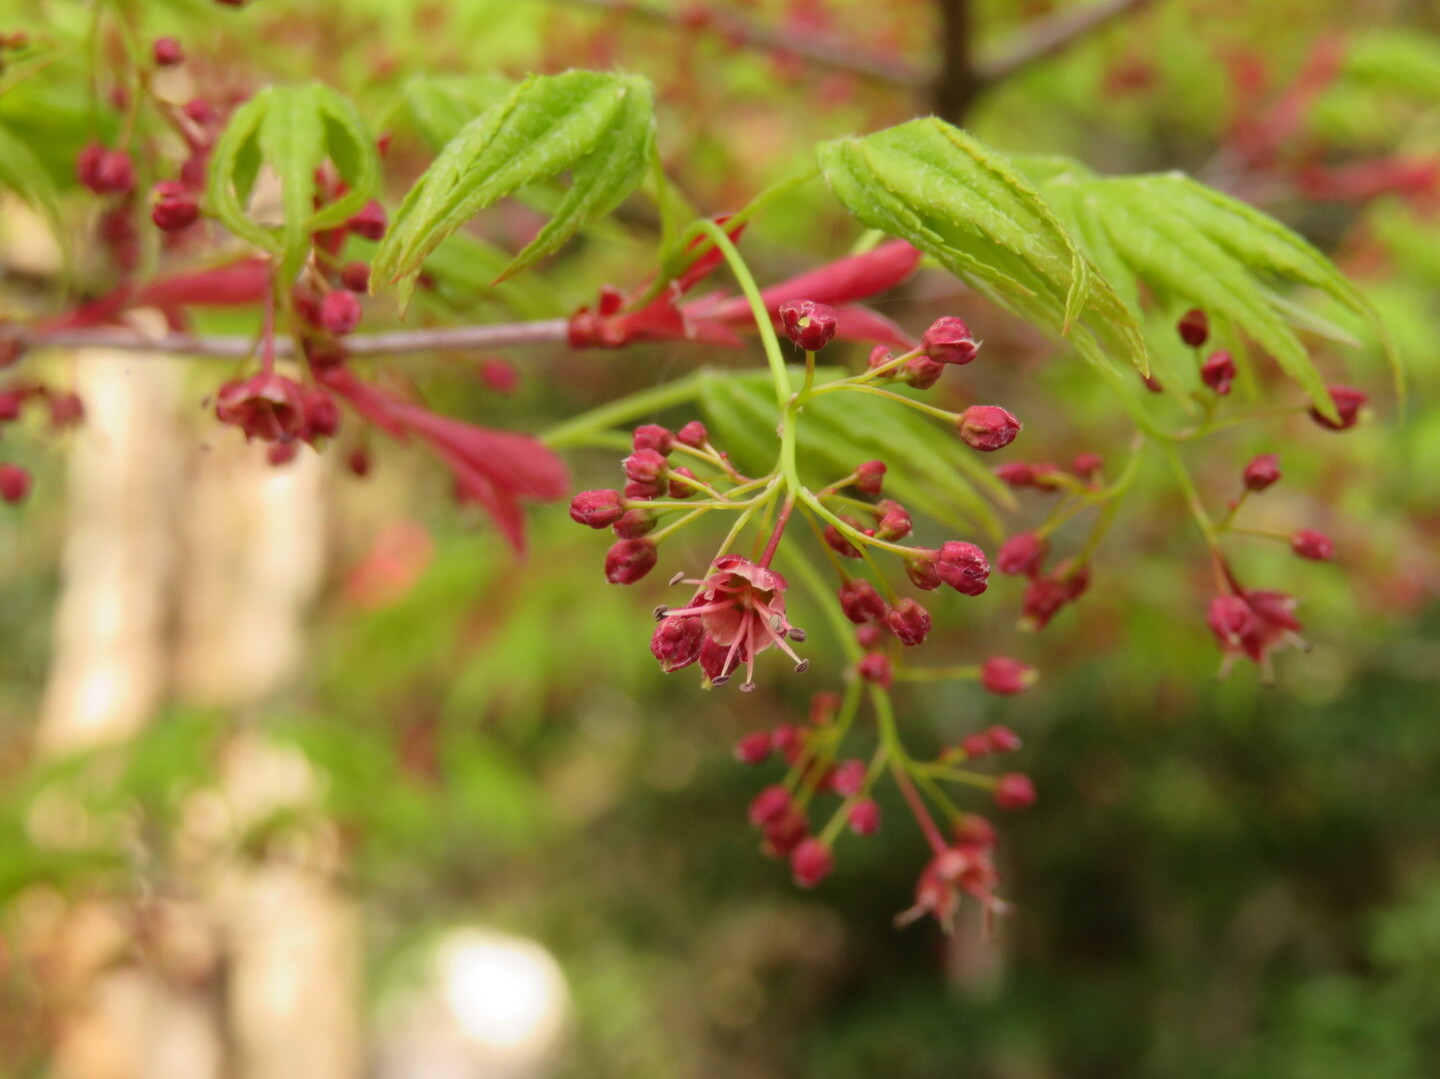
739	608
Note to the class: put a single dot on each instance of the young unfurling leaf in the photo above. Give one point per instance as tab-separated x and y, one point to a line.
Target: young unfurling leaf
600	127
1195	247
963	204
292	129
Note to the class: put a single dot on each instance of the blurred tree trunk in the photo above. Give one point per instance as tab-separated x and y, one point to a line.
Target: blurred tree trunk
188	573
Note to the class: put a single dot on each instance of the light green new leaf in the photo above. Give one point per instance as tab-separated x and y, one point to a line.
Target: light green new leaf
441	105
600	127
1193	246
292	129
963	204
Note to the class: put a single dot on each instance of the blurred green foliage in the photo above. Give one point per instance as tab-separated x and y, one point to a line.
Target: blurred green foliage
1219	880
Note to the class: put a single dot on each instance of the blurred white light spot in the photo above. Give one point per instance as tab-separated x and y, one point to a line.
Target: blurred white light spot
506	993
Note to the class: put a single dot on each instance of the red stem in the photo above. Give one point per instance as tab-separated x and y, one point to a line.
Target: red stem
917	806
780	522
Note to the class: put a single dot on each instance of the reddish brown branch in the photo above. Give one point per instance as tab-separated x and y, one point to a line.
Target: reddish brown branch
234	347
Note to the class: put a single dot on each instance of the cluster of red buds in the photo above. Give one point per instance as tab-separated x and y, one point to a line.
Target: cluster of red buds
739	608
1253	623
962	854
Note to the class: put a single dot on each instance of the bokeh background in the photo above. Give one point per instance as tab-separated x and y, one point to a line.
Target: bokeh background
304	776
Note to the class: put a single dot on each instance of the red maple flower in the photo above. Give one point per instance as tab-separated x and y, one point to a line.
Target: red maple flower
1253	624
964	867
740	610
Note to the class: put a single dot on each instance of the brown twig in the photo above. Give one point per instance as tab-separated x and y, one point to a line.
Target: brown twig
1045	37
958	83
825	51
235	347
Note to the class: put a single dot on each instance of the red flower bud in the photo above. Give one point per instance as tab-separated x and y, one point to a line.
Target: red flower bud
963	566
785	833
174	207
1088	465
676	643
1013	790
629	560
836	541
909	621
870	477
1016	474
860	602
693	434
168	52
643	491
849	777
973	830
1045	597
632	524
1316	546
322	415
811	862
678	488
369	222
646	466
105	172
987	427
358	462
754	748
1002	739
497	376
199	110
879	357
864	818
14	483
1023	553
340	312
894	522
869	636
769	805
1263	471
876	668
922	570
1004	676
652	436
1348	402
1218	372
356	276
975	746
948	340
808	324
1194	328
921	372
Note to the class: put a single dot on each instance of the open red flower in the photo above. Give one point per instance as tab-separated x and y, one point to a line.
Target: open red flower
1253	624
740	609
967	867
